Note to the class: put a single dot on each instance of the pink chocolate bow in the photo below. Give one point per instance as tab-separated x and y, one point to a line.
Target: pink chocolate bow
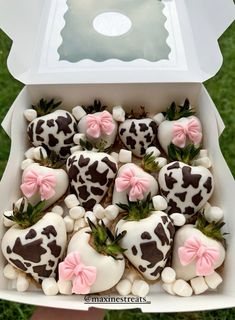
82	276
138	186
34	182
204	256
100	123
181	131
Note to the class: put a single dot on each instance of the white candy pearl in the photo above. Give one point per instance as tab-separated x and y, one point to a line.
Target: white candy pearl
168	287
161	162
182	288
111	212
71	201
75	149
140	288
124	287
99	211
29	154
159	203
91	216
10	272
38	152
213	280
69	224
178	219
22	283
58	209
50	287
77	212
7	222
199	285
79	224
115	156
119	114
77	137
30	114
78	113
125	156
64	287
168	275
155	151
159	118
25	163
214	214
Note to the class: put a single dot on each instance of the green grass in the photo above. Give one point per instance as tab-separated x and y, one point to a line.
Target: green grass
222	90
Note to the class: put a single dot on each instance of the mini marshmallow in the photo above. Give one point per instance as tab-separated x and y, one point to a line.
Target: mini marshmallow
154	151
7	222
214	214
161	162
182	288
213	280
71	201
77	137
25	163
204	162
91	216
168	287
39	152
78	112
58	209
199	285
10	272
178	219
168	275
125	156
131	275
115	156
119	114
77	212
64	287
111	212
79	224
30	114
140	288
124	287
159	203
203	153
50	287
159	118
106	222
29	153
22	283
75	149
99	211
69	224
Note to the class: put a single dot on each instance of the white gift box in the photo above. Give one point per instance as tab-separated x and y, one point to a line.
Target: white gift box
189	54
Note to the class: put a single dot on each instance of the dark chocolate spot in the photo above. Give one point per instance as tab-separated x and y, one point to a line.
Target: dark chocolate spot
148	137
164	193
55	249
112	165
31	234
153	125
31	251
63	124
175	165
39	128
96	176
143	127
151	253
64	151
83	162
9	250
171	229
173	207
121	132
181	196
142	151
96	191
190	179
161	234
72	160
130	142
50	123
134	250
164	219
28	264
30	131
88	205
42	271
197	198
146	235
170	181
69	141
18	264
52	140
157	271
133	129
189	210
73	173
83	193
208	184
39	138
51	263
142	269
81	180
49	230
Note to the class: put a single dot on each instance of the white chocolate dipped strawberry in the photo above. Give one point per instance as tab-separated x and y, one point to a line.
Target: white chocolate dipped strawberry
149	237
54	130
137	133
198	249
133	183
94	261
99	126
180	127
45	180
36	242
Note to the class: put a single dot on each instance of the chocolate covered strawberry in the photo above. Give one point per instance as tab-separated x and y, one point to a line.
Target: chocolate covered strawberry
180	127
94	261
36	242
54	130
198	249
148	239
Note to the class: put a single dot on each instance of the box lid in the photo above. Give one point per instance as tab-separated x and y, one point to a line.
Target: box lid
115	41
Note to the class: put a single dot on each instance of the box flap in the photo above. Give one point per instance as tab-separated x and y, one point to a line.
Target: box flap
90	41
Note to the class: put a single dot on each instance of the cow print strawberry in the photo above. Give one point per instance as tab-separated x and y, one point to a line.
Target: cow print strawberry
90	175
186	188
138	134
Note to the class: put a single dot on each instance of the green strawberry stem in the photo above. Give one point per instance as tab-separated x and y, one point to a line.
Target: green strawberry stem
186	154
86	145
175	112
149	163
104	242
45	107
210	229
137	115
53	160
30	216
96	107
136	211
